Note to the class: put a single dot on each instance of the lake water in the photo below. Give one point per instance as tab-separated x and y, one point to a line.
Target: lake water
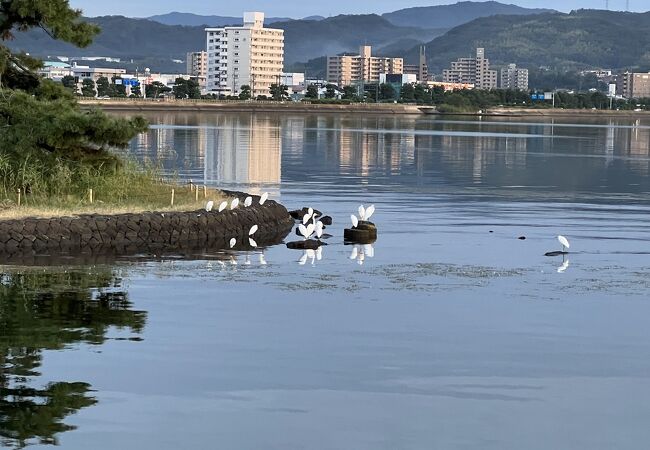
449	333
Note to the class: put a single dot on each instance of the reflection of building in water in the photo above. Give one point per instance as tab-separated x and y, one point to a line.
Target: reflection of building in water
635	143
244	149
382	150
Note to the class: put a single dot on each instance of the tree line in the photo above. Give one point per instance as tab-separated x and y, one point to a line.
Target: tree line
182	89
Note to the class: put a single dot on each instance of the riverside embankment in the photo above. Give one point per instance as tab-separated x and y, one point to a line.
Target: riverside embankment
146	232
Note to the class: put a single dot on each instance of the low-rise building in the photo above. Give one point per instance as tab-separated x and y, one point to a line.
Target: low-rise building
633	85
448	87
349	69
474	71
513	77
55	70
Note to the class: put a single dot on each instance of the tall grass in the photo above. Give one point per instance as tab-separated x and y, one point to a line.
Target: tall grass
55	186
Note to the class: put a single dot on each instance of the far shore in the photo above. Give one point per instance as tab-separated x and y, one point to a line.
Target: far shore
172	105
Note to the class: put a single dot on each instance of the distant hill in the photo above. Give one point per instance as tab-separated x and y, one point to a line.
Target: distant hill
449	16
304	39
581	39
195	20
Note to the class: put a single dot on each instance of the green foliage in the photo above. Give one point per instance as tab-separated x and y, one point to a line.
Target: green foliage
387	92
245	92
186	88
156	89
69	82
407	93
312	91
350	93
582	39
88	88
103	87
330	91
279	92
136	91
116	90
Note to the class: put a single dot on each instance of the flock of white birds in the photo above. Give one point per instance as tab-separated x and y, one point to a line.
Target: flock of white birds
311	226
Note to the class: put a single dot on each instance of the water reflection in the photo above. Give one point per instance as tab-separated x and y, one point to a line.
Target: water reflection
502	156
52	310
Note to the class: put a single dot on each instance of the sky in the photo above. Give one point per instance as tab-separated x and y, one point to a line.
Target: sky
301	8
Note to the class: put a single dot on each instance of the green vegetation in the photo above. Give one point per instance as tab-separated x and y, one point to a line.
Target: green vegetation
186	88
50	150
581	39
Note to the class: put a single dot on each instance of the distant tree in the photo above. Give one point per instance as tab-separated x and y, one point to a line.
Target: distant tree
245	92
88	88
437	94
69	82
103	87
422	94
350	93
387	92
117	89
312	91
186	88
262	97
279	92
408	92
156	89
330	91
136	91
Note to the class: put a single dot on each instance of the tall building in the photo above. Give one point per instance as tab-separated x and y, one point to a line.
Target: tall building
633	85
197	64
514	78
345	70
474	71
421	70
248	55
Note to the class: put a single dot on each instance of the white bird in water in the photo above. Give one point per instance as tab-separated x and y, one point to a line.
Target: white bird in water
209	206
233	242
319	229
308	216
366	213
355	221
306	231
223	206
248	202
264	198
234	204
565	243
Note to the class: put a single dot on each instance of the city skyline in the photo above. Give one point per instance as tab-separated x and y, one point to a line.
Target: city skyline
298	9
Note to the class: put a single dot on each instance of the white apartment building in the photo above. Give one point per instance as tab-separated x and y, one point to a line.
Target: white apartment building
248	55
513	77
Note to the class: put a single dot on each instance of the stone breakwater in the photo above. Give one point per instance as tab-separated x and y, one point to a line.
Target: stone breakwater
147	232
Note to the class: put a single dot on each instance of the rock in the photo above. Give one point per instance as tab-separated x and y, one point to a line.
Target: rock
309	244
364	233
327	220
522	238
556	253
298	214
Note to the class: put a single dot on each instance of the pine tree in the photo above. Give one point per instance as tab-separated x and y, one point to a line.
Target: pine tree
43	126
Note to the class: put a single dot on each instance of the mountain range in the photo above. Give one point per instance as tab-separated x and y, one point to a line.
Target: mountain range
528	37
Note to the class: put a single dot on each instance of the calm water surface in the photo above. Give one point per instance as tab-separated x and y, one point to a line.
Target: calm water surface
451	333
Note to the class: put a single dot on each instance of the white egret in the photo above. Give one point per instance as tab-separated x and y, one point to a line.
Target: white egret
369	212
223	206
319	229
565	243
248	202
252	242
233	242
234	203
362	213
253	230
209	206
264	198
355	221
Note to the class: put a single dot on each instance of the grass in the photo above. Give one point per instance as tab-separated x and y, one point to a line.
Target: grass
125	189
